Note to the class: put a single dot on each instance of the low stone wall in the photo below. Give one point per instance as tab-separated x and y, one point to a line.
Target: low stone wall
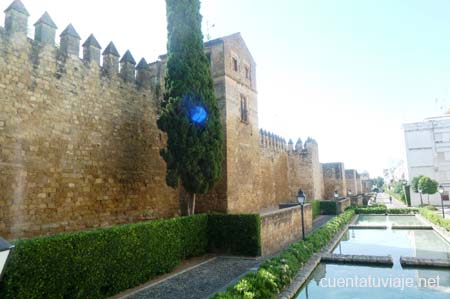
357	201
357	259
343	204
282	227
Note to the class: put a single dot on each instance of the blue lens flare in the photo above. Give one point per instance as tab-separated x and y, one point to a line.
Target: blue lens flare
198	114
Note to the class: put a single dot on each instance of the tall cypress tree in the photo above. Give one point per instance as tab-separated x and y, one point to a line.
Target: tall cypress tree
190	115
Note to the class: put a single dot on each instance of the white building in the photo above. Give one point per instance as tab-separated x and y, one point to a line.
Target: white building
428	153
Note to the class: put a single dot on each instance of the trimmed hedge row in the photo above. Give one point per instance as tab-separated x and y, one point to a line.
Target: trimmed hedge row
435	218
384	210
315	205
101	263
276	273
323	207
235	234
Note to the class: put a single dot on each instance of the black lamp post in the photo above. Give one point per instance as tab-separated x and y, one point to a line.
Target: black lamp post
336	197
420	192
5	249
301	198
441	191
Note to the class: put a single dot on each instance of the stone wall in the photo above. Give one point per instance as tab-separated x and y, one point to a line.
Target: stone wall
350	181
359	186
79	146
281	228
343	204
305	171
367	186
334	179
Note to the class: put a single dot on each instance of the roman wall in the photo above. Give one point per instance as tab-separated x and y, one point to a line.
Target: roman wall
305	171
282	227
334	180
79	146
350	181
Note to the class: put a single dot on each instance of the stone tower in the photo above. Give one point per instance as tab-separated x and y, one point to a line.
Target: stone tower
233	72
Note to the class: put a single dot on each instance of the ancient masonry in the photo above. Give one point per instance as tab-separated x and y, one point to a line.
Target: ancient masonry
79	145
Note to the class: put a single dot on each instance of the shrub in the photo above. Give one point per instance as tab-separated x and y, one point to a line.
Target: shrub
328	207
277	272
315	205
103	262
435	218
235	234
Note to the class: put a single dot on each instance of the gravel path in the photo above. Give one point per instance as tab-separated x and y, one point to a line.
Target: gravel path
199	282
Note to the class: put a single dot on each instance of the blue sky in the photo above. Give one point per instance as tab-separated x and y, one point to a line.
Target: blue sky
345	72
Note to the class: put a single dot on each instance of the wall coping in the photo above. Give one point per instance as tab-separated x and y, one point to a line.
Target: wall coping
282	211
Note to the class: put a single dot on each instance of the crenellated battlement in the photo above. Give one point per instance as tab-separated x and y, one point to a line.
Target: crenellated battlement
271	141
14	37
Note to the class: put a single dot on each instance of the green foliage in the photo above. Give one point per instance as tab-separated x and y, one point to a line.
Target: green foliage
315	205
277	272
328	207
435	218
101	263
194	151
415	183
235	234
378	182
428	185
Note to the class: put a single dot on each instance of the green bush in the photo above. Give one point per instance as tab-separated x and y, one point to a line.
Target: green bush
315	205
435	218
235	234
103	262
277	272
328	207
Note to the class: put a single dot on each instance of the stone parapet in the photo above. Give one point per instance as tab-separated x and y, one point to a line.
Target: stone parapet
282	227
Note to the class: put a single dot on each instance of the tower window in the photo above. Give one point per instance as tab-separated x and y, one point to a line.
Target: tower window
244	109
247	72
235	64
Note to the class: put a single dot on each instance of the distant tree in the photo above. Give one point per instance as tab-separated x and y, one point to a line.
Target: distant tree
379	182
415	183
189	113
428	186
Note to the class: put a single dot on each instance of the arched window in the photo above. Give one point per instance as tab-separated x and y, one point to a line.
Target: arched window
244	109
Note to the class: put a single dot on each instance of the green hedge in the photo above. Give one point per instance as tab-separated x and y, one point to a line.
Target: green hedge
315	205
328	207
100	263
435	218
103	262
235	234
276	273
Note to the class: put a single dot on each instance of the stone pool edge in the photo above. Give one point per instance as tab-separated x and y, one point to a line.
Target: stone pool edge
306	271
441	231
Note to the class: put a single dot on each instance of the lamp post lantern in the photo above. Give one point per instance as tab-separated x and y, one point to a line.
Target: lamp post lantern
336	197
441	191
349	192
301	198
420	192
5	250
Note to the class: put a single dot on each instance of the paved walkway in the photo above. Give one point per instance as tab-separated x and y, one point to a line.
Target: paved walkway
202	281
383	198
